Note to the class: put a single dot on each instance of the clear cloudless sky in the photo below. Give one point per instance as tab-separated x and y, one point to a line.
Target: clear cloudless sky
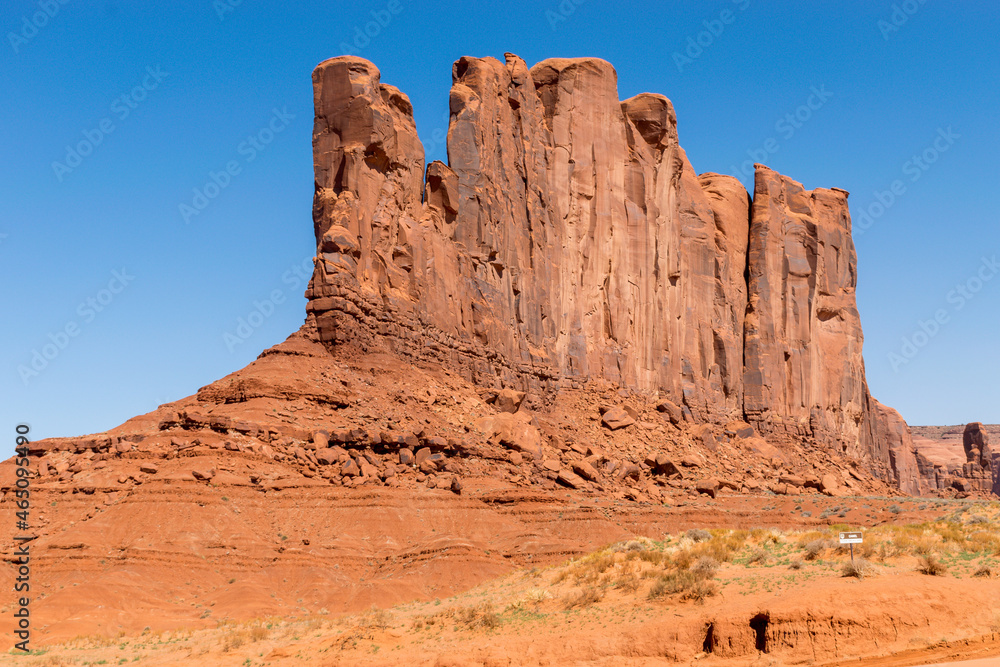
923	83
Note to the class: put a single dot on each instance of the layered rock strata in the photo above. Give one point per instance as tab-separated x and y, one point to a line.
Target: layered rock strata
569	239
957	458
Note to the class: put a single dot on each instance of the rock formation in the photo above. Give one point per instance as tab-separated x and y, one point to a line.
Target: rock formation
976	443
956	459
569	239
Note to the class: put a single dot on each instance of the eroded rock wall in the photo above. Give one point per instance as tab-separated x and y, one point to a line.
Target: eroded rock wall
569	239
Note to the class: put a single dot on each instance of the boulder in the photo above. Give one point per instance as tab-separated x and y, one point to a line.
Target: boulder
570	479
616	418
585	470
704	435
829	484
672	412
514	431
792	480
708	486
509	400
661	464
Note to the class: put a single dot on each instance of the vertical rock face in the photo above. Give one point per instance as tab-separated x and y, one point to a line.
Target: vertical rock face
804	371
886	446
979	457
976	442
569	239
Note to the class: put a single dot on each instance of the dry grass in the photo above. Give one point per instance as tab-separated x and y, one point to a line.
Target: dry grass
375	619
483	615
584	597
930	565
758	556
686	583
859	568
814	549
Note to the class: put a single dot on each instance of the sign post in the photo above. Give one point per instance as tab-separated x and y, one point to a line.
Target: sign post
852	539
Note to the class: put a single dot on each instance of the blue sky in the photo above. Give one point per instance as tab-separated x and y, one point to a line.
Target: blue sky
136	302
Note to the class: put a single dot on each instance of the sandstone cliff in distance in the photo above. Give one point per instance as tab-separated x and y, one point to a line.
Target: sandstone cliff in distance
957	458
569	239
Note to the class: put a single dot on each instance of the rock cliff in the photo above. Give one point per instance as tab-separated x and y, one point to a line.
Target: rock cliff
958	459
569	239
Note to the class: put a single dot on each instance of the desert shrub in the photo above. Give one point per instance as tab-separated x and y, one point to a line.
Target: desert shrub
698	535
706	566
375	618
983	541
917	542
258	633
589	568
721	548
895	509
814	548
796	564
533	597
882	548
766	535
653	557
977	519
627	581
984	570
483	615
584	597
758	556
859	568
233	640
638	544
930	565
689	585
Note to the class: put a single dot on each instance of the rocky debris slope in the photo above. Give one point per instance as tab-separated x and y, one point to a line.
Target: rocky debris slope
569	239
372	421
957	459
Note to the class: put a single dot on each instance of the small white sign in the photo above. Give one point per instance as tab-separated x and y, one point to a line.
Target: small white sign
850	538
